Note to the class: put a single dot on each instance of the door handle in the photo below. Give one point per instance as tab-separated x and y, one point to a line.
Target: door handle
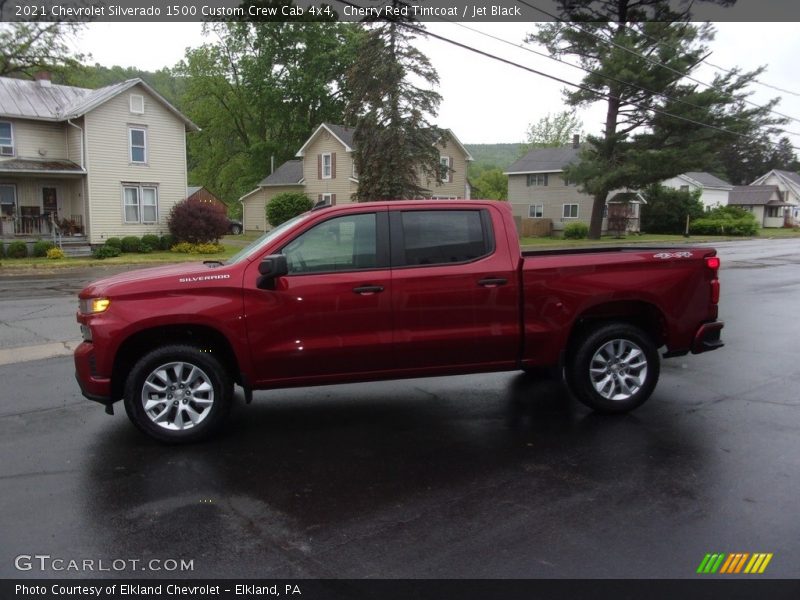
368	290
491	282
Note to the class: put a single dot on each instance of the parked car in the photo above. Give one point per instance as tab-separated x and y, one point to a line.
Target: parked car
388	290
234	226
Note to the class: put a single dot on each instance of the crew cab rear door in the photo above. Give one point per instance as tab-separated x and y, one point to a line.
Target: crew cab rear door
455	291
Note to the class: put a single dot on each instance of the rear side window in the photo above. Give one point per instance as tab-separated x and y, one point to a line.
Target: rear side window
435	237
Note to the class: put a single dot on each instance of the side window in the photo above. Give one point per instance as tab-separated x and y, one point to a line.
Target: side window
434	237
342	244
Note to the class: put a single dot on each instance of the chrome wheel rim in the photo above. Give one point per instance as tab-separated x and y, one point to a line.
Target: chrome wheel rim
618	369
177	396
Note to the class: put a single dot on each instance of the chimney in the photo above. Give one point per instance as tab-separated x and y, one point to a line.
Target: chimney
576	141
43	77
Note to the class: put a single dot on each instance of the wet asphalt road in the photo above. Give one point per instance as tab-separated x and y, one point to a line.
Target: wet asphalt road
479	476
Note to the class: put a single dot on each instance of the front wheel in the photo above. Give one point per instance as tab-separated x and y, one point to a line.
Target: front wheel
178	394
614	368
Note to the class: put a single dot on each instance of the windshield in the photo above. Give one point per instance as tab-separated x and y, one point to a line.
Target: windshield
253	248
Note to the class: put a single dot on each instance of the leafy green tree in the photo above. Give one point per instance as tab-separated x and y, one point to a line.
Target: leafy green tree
286	206
553	130
394	140
666	209
492	184
28	47
638	68
258	92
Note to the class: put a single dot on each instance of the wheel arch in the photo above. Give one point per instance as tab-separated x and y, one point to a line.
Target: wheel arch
201	336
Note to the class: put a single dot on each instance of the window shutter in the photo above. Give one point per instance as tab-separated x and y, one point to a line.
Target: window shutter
319	197
333	199
545	179
333	165
449	169
319	166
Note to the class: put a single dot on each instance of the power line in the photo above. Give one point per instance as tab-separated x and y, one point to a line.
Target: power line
646	58
586	88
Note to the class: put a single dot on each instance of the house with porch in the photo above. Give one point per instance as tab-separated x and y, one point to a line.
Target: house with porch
788	184
764	201
544	201
88	163
325	171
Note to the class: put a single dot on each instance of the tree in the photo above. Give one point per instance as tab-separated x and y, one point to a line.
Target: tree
658	124
394	141
197	222
257	93
286	206
666	209
783	156
491	184
28	47
553	130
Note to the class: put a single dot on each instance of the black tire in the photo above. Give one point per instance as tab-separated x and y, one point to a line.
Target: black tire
614	368
195	386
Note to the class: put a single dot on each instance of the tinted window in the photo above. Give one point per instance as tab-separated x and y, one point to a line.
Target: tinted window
443	236
340	244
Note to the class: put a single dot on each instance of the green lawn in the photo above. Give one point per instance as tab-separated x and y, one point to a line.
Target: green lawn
649	238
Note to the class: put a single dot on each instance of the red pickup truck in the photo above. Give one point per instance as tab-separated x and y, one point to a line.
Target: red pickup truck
387	290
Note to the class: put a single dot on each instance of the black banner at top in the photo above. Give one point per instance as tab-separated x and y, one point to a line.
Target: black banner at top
359	10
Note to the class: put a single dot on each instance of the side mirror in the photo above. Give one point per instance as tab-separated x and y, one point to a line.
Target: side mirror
271	267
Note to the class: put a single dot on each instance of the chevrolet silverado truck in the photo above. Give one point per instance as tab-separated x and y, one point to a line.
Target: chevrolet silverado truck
389	290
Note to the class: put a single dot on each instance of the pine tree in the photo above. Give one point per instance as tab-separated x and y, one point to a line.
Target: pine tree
638	55
395	144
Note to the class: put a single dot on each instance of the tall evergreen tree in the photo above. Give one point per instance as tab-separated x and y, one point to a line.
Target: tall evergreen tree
394	141
638	54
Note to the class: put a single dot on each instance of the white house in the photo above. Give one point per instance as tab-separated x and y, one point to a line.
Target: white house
789	187
713	190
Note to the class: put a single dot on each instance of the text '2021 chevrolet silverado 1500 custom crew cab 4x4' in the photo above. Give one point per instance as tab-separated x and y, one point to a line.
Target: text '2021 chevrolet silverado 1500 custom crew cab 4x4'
388	290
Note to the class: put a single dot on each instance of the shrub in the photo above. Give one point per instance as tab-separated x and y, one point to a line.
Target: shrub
725	220
666	209
576	231
197	222
166	242
286	206
131	243
115	242
41	247
55	254
187	248
145	248
2	250
106	251
17	250
151	240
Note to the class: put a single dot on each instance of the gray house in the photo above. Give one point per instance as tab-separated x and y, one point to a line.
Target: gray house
537	189
764	201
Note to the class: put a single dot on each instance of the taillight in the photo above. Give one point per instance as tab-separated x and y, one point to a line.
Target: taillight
712	262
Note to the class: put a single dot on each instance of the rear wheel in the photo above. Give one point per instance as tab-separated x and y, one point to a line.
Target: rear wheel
614	368
178	394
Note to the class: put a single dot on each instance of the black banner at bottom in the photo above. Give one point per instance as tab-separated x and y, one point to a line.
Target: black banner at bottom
399	589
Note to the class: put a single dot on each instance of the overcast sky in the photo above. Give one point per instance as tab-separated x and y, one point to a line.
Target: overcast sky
485	101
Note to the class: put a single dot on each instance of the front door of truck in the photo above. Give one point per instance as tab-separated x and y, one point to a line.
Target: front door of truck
455	290
331	315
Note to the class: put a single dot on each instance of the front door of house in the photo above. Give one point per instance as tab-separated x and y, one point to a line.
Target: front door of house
50	201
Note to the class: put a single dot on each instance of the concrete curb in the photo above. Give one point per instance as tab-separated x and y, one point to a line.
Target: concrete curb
10	356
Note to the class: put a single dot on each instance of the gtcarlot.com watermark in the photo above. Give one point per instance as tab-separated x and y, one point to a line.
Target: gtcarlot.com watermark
48	563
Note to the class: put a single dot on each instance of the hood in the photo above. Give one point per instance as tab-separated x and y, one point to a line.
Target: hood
162	279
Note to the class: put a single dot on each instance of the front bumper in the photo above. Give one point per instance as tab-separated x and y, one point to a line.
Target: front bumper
708	337
92	385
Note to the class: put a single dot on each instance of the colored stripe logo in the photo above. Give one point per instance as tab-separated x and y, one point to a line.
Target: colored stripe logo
739	562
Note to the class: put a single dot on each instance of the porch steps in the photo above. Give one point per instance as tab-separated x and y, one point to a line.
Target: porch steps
76	248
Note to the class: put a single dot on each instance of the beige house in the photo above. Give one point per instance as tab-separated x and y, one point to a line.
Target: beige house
94	164
324	170
764	201
540	194
788	184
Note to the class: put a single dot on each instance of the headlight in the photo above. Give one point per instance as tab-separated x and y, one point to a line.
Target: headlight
91	306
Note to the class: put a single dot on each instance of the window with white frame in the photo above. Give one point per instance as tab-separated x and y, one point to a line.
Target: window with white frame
535	211
140	203
569	211
445	167
327	166
137	137
6	139
328	198
537	179
773	212
137	104
8	199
